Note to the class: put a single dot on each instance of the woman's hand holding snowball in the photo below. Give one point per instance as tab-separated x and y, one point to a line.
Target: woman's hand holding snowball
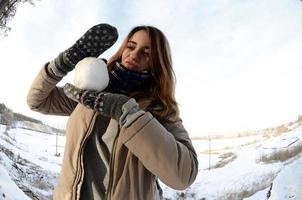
93	43
108	104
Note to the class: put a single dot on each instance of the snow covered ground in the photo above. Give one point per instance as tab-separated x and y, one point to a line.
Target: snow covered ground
29	159
233	168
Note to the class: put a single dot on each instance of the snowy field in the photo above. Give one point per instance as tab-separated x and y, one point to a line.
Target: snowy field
231	168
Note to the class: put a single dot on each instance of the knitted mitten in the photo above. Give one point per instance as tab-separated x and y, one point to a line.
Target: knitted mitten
93	43
108	104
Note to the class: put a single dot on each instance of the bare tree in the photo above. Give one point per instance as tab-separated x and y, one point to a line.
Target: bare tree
8	9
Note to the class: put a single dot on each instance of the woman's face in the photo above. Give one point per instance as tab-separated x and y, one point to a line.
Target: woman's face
136	55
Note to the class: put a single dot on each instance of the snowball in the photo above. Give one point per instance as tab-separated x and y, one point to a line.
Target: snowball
91	73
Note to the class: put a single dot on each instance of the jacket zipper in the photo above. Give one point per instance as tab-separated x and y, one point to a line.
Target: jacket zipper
111	164
80	170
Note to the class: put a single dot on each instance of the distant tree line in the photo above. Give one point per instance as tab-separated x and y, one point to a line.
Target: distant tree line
8	117
8	9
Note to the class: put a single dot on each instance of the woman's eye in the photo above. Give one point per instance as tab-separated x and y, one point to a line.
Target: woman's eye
146	54
129	46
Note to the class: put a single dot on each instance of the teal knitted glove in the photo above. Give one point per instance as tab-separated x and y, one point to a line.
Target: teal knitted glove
108	104
93	43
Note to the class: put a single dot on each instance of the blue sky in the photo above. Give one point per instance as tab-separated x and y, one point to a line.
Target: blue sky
237	63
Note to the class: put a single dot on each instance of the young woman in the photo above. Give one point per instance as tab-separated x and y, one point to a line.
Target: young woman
121	140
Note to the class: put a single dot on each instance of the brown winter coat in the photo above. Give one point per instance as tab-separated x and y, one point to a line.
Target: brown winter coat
141	152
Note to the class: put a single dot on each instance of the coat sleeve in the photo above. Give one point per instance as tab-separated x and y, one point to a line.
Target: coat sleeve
165	150
45	97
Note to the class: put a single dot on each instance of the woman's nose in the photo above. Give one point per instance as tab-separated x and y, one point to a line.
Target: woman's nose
135	55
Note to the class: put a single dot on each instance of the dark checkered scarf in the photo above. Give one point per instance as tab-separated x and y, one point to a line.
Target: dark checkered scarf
125	81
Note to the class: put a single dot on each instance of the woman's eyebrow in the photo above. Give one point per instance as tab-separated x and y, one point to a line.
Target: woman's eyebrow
130	41
134	43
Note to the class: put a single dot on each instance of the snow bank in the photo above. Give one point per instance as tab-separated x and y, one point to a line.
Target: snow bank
288	183
8	189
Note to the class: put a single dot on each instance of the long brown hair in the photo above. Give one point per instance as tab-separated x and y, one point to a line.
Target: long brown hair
163	88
